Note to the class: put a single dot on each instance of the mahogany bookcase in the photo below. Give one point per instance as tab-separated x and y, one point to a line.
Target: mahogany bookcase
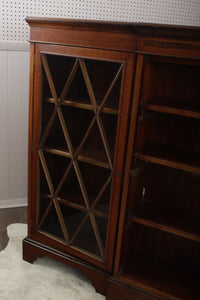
114	144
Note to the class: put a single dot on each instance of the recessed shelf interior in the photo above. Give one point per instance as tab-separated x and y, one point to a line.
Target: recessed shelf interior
168	83
161	261
176	108
169	140
161	240
159	197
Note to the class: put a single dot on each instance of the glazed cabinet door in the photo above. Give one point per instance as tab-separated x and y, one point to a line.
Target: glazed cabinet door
81	109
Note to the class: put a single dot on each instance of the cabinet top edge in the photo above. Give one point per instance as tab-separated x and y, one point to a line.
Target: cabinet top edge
109	25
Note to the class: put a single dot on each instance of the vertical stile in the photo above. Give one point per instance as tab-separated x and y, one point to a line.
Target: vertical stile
133	118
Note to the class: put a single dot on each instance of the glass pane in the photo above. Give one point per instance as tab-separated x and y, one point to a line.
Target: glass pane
43	186
83	194
109	123
56	138
77	122
79	94
70	190
94	179
47	109
57	166
72	218
51	224
86	239
102	205
102	227
60	68
94	147
101	74
43	204
112	101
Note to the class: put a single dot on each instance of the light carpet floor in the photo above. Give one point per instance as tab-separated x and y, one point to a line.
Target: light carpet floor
46	279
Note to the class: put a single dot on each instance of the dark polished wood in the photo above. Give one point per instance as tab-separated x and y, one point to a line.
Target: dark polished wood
114	130
150	38
158	238
116	290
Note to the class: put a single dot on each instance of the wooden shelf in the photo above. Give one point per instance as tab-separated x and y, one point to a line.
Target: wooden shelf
165	226
170	157
74	202
92	157
77	204
170	282
60	151
83	104
164	106
100	214
95	158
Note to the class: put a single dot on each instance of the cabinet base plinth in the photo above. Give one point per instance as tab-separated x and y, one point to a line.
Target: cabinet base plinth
33	249
116	290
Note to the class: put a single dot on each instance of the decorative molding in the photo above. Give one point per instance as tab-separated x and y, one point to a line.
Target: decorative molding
13	203
171	47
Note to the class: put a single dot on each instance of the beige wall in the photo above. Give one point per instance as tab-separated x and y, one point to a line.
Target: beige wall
14	85
14	67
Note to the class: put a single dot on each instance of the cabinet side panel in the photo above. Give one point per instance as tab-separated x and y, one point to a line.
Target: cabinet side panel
31	97
138	76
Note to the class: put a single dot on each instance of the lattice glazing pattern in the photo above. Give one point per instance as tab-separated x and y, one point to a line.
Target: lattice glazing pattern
76	148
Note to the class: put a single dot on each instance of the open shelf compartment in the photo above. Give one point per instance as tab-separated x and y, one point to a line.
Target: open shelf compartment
171	86
165	198
161	261
169	140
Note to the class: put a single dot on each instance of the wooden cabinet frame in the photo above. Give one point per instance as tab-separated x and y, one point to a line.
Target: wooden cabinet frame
138	61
